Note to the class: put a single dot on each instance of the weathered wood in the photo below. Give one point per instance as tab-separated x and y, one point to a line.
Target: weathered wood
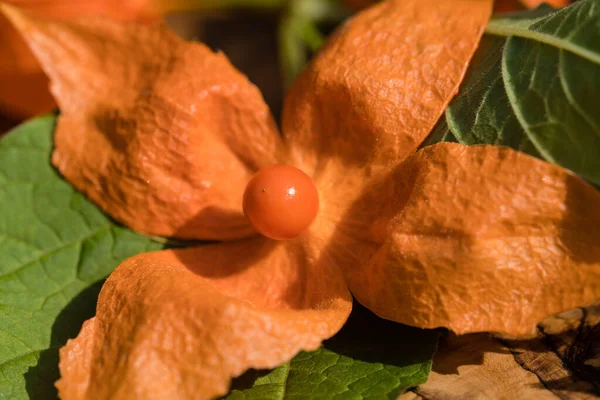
560	361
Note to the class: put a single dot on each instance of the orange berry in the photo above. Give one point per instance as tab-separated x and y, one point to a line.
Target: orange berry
281	201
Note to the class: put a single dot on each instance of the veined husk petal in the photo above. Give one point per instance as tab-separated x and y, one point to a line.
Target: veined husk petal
179	324
376	89
161	133
479	238
23	85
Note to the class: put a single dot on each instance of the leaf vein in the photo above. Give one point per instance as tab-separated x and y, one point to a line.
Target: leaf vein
56	250
497	29
569	95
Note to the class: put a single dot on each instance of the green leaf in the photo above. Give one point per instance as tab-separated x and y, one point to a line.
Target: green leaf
56	248
533	86
370	358
293	52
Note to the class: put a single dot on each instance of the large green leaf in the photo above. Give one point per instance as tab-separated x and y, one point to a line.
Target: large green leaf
482	112
533	86
55	250
370	358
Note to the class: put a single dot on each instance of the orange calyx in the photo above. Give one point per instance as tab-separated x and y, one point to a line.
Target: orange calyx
281	201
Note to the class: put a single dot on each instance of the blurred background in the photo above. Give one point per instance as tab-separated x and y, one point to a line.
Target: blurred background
269	40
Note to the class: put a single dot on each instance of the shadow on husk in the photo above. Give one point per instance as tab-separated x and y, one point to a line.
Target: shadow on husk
40	379
370	339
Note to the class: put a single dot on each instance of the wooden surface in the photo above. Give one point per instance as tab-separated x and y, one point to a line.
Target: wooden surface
560	361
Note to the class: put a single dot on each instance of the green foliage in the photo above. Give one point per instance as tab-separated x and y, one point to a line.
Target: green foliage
370	358
55	250
299	33
533	86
